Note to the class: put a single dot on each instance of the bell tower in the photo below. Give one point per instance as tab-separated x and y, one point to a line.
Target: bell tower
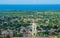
34	31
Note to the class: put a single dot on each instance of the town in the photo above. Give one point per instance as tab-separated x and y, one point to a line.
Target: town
29	23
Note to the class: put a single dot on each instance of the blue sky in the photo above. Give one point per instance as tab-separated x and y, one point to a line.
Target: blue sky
29	1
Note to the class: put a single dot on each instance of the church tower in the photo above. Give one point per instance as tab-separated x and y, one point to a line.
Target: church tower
34	26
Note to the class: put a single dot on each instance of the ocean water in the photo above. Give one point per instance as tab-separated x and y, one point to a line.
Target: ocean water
30	7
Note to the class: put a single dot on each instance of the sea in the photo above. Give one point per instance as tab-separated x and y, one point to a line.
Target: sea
29	6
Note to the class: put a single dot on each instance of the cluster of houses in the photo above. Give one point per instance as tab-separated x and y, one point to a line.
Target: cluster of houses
49	25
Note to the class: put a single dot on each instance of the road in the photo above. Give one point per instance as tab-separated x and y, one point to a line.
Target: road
36	37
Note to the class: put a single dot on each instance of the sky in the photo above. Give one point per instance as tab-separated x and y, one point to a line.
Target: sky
29	1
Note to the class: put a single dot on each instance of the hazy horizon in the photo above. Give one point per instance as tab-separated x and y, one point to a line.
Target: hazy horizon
29	1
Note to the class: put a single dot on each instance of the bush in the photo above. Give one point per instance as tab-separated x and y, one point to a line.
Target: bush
18	35
58	36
